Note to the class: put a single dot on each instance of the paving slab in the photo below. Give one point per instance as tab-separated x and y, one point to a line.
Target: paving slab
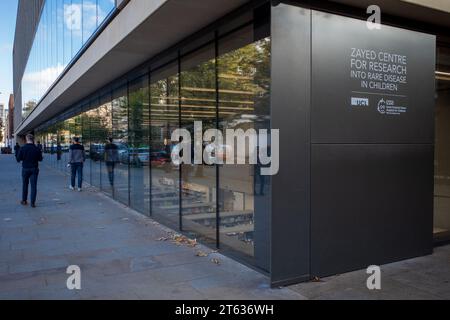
116	248
120	256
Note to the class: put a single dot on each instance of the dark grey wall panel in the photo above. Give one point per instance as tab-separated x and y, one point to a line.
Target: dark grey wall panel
334	118
371	204
372	147
290	107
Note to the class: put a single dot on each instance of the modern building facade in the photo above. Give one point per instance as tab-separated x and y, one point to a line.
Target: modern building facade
363	117
10	121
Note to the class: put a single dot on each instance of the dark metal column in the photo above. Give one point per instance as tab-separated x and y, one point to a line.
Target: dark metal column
290	108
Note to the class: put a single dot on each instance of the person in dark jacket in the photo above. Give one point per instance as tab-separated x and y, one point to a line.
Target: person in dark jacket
76	162
111	158
30	156
39	145
58	152
16	149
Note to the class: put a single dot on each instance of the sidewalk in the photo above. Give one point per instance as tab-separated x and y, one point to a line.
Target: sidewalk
121	255
117	250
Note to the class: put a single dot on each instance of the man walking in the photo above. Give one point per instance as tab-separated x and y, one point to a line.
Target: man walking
111	158
76	161
30	156
39	145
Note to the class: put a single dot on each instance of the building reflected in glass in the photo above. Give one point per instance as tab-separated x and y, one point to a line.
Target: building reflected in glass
64	28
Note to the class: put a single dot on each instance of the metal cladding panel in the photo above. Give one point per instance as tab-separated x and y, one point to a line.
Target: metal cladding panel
370	86
371	204
290	108
372	127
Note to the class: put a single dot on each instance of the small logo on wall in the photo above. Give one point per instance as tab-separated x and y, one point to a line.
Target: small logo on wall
382	106
360	102
390	108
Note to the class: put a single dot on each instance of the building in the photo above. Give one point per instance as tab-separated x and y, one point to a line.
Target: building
3	113
10	121
363	116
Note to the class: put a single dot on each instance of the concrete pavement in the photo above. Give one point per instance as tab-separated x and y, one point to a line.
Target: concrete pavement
124	255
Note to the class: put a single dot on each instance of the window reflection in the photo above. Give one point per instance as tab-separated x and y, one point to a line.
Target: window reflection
442	147
64	27
198	182
75	24
127	137
164	113
117	163
138	134
244	86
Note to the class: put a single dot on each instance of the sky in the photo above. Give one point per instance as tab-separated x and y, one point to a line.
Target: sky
8	12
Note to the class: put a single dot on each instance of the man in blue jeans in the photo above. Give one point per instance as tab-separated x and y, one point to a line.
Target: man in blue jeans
30	156
76	161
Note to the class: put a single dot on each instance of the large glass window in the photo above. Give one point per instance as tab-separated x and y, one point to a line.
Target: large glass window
89	18
223	84
86	134
442	147
60	36
76	25
164	117
198	104
244	86
63	29
98	131
138	128
67	32
104	8
117	161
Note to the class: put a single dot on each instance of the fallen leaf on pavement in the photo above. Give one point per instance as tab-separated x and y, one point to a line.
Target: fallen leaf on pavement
216	261
201	254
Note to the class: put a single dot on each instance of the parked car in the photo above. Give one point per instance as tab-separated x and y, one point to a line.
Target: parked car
97	152
139	156
159	158
6	150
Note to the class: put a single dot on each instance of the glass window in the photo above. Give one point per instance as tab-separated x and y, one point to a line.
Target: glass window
76	25
86	134
442	147
244	103
48	47
99	126
118	152
60	36
164	117
64	26
67	32
89	19
104	8
198	181
138	122
54	42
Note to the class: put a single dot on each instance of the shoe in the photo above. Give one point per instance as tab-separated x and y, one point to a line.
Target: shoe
71	188
24	203
33	205
79	189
